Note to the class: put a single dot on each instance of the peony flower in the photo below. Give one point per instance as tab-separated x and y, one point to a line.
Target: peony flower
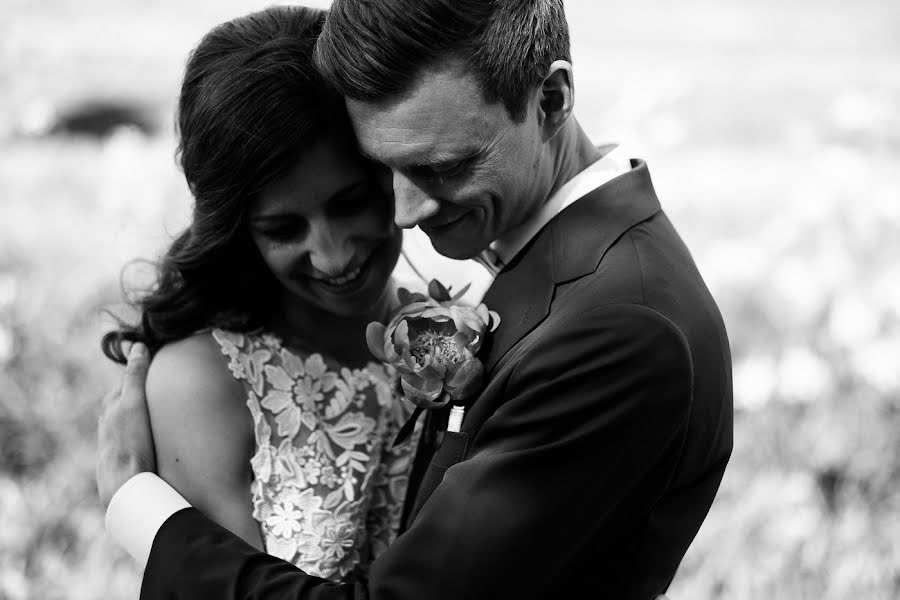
432	342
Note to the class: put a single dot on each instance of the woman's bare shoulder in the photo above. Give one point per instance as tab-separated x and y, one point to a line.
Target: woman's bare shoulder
203	431
189	386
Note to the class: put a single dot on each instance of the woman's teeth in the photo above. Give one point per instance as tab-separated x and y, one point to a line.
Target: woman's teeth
345	278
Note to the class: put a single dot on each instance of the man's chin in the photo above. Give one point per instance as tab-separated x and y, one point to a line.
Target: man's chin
455	248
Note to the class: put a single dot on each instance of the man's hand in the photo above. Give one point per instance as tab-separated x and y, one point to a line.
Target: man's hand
124	440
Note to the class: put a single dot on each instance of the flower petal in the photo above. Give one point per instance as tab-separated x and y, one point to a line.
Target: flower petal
460	293
411	311
421	391
390	352
495	320
433	369
400	335
466	343
437	291
466	381
375	340
406	297
483	313
408	362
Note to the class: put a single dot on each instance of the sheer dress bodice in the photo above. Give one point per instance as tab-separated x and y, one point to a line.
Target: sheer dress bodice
327	487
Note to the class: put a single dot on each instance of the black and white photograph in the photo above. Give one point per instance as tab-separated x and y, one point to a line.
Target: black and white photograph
449	299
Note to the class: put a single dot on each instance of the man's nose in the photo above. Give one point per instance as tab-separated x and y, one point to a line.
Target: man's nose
413	204
330	248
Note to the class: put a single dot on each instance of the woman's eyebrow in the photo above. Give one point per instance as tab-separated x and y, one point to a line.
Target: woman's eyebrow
348	189
262	219
278	214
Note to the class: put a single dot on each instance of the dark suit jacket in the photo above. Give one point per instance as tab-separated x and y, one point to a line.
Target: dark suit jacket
586	465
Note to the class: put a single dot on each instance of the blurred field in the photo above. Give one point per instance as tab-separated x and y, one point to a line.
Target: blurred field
772	130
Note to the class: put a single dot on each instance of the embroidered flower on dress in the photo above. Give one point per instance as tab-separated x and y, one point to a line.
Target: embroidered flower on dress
329	478
320	429
311	471
285	519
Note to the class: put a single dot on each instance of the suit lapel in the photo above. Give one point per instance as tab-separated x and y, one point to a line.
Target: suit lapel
568	247
585	231
521	294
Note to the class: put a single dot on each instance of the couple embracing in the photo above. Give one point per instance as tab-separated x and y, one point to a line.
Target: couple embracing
587	460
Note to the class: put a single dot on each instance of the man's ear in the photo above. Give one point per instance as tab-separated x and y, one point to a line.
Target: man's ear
556	98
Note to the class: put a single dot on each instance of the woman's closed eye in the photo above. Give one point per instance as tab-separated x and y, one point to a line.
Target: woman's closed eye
281	229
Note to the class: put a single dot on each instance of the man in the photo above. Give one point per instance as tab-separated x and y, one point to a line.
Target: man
591	457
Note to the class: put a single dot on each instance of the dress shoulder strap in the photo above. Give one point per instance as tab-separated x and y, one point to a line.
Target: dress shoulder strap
247	357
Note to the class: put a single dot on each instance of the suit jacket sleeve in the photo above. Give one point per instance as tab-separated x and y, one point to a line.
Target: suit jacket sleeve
564	473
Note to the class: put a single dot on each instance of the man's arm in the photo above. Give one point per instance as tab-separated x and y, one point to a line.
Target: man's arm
561	480
137	501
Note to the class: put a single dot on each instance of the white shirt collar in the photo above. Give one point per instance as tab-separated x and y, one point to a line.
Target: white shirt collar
608	167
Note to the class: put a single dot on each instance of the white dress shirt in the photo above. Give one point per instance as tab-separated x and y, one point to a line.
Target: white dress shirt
140	507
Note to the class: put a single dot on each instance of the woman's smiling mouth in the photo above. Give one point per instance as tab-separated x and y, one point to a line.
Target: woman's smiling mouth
347	281
347	277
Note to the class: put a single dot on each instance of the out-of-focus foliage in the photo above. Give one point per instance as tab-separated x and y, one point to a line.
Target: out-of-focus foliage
772	130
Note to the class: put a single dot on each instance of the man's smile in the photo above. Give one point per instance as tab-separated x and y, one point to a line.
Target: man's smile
441	224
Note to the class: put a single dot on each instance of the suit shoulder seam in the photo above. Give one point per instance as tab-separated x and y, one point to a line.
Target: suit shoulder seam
640	266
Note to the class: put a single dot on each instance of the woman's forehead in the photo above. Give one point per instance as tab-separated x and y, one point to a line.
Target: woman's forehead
328	169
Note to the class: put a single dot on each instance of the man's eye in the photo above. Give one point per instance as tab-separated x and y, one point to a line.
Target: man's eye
443	171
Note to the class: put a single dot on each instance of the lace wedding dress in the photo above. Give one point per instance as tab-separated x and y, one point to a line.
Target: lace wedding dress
327	487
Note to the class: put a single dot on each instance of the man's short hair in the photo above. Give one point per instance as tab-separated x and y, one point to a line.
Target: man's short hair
374	50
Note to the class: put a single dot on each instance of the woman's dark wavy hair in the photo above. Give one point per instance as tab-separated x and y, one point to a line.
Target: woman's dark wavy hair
251	101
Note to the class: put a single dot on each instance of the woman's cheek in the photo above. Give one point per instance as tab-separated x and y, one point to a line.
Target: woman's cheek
280	258
369	224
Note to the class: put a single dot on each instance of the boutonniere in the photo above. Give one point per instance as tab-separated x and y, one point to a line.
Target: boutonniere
432	343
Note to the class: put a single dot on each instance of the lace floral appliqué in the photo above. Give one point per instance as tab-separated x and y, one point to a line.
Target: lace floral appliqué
328	487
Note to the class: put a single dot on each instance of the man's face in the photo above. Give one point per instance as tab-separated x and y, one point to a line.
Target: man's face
462	169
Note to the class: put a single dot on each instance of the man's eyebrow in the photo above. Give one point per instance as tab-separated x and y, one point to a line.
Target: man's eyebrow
431	160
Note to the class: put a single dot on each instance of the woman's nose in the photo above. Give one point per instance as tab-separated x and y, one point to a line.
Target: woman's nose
330	247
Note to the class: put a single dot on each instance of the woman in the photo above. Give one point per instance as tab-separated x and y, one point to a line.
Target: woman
262	304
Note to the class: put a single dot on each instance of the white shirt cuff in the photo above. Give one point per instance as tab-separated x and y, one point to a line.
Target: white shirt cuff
138	510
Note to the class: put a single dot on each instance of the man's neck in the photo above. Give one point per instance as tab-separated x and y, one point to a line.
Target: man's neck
573	153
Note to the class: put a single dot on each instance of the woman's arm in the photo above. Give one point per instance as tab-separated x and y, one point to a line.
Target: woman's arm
203	432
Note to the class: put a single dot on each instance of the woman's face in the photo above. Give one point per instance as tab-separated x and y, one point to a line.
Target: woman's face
326	230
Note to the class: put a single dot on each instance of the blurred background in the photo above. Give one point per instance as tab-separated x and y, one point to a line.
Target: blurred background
772	132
